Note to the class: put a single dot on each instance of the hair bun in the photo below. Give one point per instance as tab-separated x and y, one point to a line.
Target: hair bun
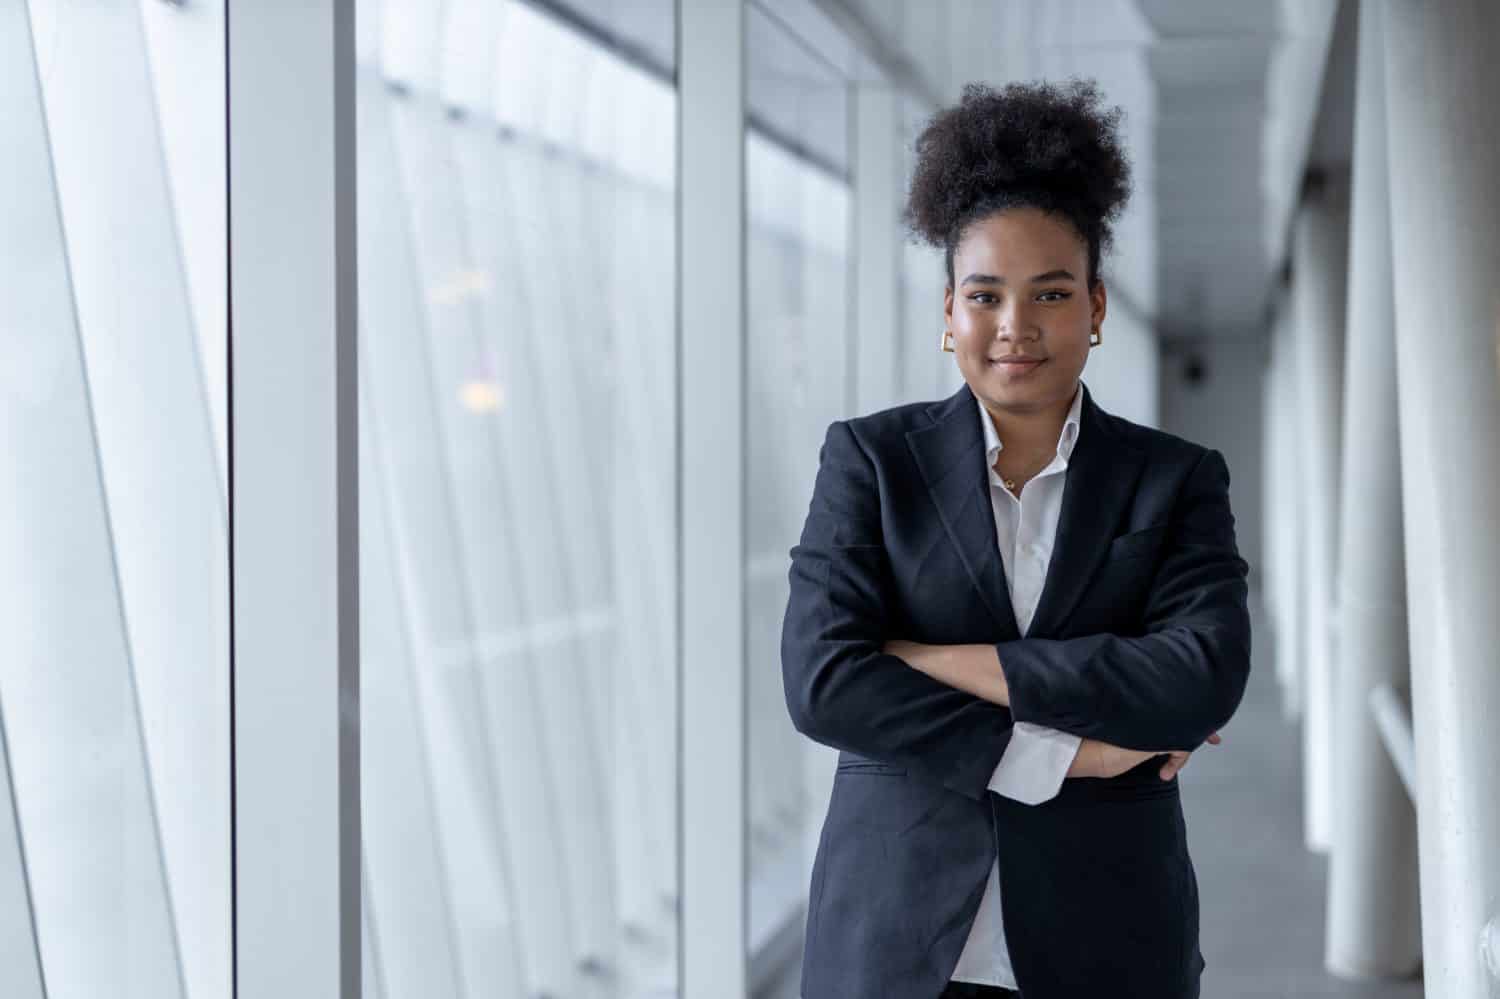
1051	146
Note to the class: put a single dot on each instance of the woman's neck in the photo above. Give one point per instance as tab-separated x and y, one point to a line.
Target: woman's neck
1031	432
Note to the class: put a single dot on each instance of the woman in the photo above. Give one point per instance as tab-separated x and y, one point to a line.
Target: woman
1007	607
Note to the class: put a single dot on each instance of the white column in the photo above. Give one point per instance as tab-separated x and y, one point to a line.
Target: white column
1284	512
878	252
711	313
1442	85
1319	255
1373	928
294	500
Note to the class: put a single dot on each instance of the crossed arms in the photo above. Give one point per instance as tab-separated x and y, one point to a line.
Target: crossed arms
1169	688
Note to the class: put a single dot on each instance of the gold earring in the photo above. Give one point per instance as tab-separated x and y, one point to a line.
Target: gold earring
1094	338
943	342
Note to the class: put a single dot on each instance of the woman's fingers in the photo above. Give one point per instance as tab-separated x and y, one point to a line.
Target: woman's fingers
1176	760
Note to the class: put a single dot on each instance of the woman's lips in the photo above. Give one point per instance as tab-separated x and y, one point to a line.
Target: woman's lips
1018	367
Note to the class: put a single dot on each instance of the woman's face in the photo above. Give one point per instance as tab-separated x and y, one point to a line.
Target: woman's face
1022	292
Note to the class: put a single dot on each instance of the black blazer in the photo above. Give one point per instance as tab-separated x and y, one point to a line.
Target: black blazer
1141	638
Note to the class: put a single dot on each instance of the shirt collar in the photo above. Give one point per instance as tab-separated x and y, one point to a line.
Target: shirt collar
1065	440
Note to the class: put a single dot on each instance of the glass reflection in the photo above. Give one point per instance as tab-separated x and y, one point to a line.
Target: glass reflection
517	259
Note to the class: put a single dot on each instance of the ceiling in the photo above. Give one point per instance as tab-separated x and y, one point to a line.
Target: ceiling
1226	103
1220	98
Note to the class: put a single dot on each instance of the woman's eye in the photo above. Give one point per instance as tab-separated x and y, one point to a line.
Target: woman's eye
1061	295
981	296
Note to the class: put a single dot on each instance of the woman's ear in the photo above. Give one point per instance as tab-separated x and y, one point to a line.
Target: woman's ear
1098	299
948	305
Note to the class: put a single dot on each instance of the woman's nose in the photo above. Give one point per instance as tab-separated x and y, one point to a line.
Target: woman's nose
1015	323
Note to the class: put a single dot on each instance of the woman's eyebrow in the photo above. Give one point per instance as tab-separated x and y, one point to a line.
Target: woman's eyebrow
1055	275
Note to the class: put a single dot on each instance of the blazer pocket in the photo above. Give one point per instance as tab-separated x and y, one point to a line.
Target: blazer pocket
1137	543
863	765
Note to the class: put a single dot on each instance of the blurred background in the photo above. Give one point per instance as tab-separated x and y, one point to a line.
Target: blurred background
406	411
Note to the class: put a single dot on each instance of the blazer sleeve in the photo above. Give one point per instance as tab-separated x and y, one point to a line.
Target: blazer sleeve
841	690
1184	677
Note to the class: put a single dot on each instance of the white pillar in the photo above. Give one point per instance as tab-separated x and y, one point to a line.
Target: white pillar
878	250
1372	928
711	310
1284	512
294	516
1319	256
1442	84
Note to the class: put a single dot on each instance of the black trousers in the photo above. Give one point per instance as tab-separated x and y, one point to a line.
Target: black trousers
972	990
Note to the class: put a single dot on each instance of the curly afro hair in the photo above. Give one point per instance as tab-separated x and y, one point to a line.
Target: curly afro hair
1040	145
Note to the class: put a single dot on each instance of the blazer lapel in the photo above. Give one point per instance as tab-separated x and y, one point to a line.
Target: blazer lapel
1102	473
950	455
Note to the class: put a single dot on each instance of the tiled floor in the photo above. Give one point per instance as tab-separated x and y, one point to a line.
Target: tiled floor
1261	892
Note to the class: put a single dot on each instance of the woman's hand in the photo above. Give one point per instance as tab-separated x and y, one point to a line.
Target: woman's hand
1101	759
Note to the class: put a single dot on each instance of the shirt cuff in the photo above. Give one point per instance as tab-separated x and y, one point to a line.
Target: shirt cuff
1032	768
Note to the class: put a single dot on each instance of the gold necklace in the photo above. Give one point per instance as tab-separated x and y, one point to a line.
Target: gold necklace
1010	484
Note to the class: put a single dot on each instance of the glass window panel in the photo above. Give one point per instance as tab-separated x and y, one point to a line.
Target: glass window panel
797	310
517	310
113	549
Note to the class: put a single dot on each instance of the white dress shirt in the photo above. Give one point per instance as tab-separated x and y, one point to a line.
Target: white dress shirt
1032	768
